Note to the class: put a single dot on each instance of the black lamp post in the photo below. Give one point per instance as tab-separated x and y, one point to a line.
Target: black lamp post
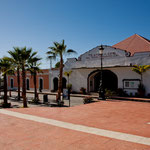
101	88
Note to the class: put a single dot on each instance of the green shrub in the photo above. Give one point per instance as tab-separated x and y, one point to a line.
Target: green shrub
36	101
121	92
109	93
7	105
87	99
83	90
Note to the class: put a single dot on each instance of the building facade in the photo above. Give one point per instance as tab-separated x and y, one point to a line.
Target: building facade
118	61
117	67
42	81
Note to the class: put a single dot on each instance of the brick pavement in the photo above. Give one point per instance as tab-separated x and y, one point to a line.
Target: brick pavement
125	117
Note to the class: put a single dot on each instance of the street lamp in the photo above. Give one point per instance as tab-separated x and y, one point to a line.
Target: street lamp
101	88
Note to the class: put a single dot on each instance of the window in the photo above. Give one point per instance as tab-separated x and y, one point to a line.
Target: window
127	84
131	83
12	83
40	84
27	84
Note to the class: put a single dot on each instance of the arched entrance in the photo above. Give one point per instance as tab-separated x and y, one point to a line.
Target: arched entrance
41	84
110	80
55	83
12	83
28	84
64	81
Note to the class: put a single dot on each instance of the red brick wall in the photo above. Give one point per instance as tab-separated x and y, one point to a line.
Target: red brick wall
44	75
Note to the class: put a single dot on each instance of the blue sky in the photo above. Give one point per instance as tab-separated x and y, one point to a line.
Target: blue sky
83	24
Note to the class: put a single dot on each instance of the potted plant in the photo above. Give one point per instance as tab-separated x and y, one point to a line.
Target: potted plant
87	99
83	90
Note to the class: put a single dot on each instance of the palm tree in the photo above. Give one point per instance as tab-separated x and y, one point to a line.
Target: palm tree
58	50
50	57
6	68
15	59
34	69
140	70
57	65
26	57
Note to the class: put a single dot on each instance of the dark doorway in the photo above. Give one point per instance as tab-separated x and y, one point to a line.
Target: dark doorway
41	84
12	83
110	80
64	81
55	83
28	84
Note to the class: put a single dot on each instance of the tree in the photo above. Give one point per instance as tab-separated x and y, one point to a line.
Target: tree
34	69
140	70
26	57
16	60
51	57
68	73
6	68
58	50
57	65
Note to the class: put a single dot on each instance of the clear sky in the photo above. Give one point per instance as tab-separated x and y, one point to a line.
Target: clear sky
84	24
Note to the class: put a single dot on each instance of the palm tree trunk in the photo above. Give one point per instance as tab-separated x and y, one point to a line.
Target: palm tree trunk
24	87
60	79
35	89
18	80
5	89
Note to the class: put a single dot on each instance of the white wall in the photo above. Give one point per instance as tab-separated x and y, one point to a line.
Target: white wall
79	77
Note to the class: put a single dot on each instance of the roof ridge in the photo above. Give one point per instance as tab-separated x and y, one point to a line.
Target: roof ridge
143	38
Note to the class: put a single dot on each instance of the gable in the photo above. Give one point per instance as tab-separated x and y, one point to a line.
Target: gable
109	52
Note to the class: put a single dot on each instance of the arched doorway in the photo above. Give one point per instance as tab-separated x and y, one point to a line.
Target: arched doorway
55	83
64	81
11	83
28	84
40	84
110	80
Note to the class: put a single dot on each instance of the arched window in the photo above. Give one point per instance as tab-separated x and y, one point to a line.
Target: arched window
40	84
11	83
55	83
28	84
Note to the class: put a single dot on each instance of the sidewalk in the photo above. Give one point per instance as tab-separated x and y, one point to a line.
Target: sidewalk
105	125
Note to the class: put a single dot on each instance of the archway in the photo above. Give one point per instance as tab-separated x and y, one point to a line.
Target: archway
110	80
64	81
55	83
28	84
41	84
12	83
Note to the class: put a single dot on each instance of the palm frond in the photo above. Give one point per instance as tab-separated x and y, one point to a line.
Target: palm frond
67	73
70	51
140	69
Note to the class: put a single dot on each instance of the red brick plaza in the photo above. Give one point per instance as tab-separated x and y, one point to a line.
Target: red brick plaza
128	120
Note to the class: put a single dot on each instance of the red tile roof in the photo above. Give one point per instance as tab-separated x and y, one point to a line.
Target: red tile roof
133	44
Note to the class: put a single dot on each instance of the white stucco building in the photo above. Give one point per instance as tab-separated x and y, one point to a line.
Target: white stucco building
117	62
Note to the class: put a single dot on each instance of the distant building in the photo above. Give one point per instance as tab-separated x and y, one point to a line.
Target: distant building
42	81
